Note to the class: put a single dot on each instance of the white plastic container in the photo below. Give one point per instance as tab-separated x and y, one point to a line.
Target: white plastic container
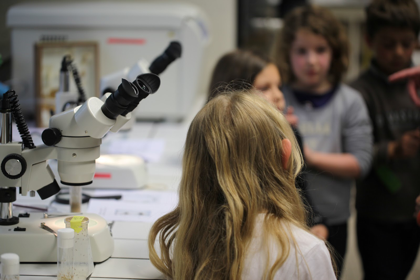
9	266
65	247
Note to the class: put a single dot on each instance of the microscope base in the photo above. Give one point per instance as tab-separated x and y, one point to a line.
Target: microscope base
39	245
115	172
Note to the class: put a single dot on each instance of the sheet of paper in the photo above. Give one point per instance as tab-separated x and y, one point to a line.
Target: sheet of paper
139	206
138	195
150	150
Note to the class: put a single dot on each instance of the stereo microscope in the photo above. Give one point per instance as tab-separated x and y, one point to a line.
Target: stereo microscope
73	138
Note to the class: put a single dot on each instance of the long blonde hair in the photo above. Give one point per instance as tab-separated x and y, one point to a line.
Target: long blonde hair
232	172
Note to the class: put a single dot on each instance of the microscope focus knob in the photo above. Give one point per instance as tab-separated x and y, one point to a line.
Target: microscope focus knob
13	166
51	136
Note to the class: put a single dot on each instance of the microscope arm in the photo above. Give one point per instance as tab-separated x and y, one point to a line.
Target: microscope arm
27	168
38	174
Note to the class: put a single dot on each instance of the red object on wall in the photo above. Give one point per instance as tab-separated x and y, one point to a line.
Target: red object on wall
103	175
127	41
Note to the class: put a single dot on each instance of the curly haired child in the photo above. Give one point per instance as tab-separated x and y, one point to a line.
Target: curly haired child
333	120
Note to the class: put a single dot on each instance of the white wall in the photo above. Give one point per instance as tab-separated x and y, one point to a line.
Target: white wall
222	16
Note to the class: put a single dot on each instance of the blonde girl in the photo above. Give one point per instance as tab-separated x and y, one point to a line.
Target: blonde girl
241	68
239	215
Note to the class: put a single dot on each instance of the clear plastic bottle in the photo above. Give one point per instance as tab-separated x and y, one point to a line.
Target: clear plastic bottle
9	266
65	247
82	253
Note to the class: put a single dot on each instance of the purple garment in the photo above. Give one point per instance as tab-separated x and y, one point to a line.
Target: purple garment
316	100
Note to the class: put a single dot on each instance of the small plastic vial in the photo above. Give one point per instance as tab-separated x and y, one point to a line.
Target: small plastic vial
65	246
9	266
82	253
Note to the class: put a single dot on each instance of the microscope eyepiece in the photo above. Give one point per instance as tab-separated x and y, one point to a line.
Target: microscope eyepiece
172	52
128	95
146	84
118	102
142	86
129	89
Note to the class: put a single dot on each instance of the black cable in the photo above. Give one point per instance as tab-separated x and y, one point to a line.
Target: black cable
20	121
82	95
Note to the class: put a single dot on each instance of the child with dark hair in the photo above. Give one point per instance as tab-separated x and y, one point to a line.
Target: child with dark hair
388	237
333	119
241	69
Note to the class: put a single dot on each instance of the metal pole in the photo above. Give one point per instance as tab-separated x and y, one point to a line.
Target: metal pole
6	208
6	128
6	211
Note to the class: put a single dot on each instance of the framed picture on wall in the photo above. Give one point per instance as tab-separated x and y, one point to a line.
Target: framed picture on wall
48	58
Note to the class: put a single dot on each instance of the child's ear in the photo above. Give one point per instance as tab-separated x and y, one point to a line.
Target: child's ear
287	151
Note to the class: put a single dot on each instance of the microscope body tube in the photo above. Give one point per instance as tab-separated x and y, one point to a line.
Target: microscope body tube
77	166
86	120
77	150
91	118
82	130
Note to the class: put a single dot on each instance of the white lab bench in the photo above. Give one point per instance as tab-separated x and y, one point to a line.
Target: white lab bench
130	258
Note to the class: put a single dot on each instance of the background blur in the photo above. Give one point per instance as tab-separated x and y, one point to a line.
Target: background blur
250	23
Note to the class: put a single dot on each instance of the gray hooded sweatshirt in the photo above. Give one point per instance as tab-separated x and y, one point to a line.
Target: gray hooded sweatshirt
341	125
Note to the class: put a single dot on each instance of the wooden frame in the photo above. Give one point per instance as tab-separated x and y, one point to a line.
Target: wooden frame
48	57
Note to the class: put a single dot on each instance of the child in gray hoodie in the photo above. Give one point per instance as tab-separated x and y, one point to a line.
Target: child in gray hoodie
333	118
